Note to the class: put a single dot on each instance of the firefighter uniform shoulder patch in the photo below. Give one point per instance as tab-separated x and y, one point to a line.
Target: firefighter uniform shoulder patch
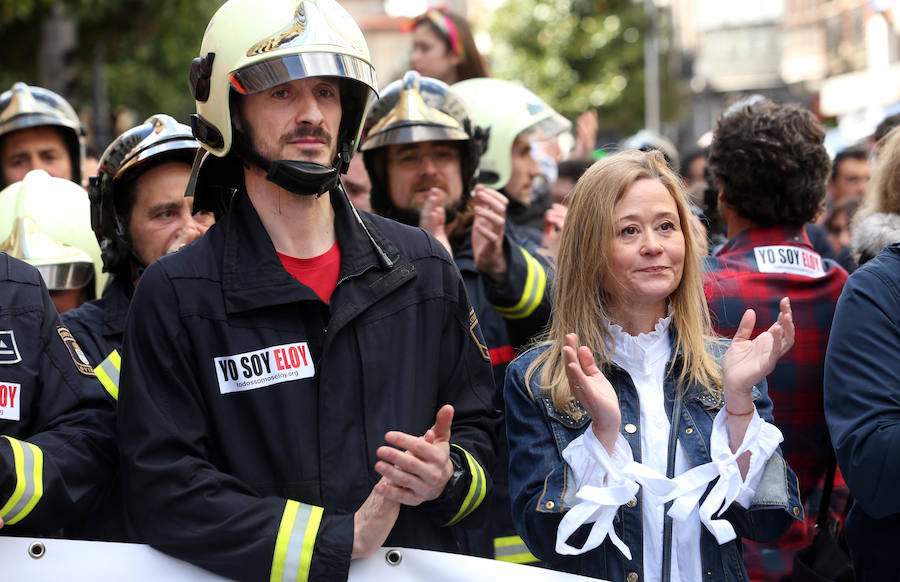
473	325
78	357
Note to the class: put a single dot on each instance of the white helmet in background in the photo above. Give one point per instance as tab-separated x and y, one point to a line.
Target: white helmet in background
505	110
46	222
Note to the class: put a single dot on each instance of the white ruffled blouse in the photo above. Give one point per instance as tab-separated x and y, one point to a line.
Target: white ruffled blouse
605	483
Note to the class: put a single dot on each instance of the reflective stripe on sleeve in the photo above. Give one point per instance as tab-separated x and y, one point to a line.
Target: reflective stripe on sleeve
28	462
107	372
513	549
477	489
295	543
532	295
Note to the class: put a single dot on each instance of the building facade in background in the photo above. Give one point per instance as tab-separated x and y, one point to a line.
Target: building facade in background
840	58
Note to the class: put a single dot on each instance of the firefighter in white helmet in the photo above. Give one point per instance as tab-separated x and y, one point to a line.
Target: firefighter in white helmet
46	222
304	383
514	118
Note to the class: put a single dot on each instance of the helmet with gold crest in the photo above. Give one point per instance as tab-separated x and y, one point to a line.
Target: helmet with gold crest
418	109
251	46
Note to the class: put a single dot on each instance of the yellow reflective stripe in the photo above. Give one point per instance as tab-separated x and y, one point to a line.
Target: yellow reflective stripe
107	372
523	558
532	294
309	542
477	489
281	542
28	461
295	542
513	549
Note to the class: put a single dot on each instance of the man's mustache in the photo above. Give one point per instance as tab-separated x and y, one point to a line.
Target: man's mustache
308	131
430	183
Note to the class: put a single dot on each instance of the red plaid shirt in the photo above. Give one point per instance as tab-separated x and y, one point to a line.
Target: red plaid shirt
755	270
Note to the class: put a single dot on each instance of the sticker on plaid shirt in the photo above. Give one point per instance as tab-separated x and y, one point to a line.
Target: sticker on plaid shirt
788	259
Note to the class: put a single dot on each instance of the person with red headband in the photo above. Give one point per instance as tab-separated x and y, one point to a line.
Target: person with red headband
443	48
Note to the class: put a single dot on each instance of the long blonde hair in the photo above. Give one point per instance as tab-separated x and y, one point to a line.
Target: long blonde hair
584	252
883	194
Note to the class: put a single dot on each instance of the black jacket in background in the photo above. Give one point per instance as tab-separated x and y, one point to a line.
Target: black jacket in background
862	407
57	445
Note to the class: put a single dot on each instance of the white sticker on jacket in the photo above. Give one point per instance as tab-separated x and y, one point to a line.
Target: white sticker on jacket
265	367
788	259
10	395
9	351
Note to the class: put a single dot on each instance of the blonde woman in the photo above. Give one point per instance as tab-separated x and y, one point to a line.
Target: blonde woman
877	222
641	445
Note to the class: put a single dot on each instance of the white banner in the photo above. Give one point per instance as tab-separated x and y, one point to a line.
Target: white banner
50	560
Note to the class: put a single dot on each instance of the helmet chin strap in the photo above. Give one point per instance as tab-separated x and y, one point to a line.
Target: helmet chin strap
303	178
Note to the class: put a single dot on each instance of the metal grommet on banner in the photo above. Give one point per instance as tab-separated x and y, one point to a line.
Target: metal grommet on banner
393	557
37	550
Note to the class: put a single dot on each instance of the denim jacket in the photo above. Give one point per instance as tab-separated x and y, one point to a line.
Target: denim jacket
542	486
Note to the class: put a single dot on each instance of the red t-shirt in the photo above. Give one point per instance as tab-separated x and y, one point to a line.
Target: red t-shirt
318	273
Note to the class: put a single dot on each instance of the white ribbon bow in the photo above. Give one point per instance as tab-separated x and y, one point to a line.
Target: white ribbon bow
598	504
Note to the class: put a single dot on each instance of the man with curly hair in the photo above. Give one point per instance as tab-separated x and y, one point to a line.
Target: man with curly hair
771	166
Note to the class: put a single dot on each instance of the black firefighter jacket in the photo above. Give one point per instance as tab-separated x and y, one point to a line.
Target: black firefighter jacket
57	425
99	325
511	314
250	411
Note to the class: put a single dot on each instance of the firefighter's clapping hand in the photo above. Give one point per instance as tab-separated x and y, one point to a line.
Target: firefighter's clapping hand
488	230
418	469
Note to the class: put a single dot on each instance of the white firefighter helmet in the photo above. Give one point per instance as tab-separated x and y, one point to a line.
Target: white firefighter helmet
46	222
505	110
250	46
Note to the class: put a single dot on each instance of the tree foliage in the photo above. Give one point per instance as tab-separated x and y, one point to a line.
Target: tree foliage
145	48
577	55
